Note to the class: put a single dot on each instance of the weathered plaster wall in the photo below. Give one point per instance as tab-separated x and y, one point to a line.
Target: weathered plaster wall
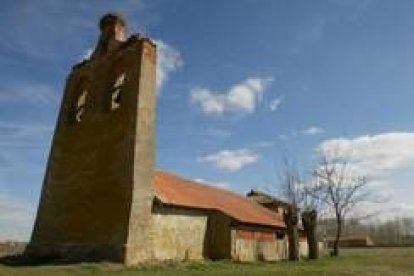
303	248
257	244
191	234
178	233
253	250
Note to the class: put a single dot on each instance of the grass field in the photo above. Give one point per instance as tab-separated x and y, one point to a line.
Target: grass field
362	262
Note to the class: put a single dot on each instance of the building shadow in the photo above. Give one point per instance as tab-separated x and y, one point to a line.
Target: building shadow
22	260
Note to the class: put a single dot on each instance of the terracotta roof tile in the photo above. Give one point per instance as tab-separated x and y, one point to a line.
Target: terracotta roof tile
174	190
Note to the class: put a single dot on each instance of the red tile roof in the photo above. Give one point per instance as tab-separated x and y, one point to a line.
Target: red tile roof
174	190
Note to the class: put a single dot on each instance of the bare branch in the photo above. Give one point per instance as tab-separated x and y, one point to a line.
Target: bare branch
340	188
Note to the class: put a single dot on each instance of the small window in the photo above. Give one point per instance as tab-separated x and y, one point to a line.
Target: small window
81	105
116	91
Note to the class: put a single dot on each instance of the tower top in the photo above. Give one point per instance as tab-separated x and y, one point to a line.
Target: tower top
113	26
113	33
110	20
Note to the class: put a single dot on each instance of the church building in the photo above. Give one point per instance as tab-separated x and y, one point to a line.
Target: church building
102	197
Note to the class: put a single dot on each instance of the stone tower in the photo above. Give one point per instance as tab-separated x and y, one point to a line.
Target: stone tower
97	194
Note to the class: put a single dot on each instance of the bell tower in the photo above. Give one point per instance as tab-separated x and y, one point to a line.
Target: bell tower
97	194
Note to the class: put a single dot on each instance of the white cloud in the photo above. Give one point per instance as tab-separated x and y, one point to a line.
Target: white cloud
387	159
374	155
387	210
86	54
29	93
275	103
169	60
313	130
13	130
222	185
22	156
231	160
16	219
263	144
19	135
404	207
240	97
216	133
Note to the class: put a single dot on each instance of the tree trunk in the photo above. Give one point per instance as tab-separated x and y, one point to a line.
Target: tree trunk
291	219
335	251
309	221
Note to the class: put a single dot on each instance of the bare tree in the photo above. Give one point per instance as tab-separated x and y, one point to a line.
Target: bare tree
341	188
312	206
305	203
290	179
309	222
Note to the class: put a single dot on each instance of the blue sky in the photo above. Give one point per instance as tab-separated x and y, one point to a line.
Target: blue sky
240	82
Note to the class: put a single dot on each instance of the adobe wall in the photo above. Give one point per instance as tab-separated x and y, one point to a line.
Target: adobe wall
251	244
191	234
178	233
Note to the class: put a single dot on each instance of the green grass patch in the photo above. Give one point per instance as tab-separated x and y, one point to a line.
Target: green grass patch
362	262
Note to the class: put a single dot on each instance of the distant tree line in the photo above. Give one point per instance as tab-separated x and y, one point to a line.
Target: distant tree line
397	231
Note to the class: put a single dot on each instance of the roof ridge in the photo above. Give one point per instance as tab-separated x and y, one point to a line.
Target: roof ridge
207	184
